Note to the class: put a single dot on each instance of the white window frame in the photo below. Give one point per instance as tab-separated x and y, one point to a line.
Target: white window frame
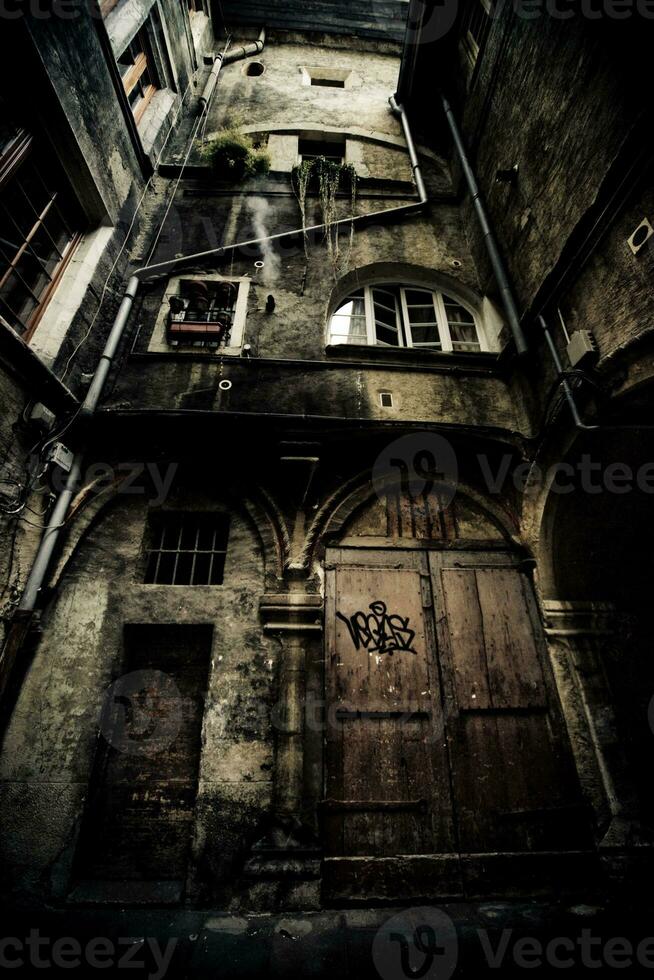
405	337
158	342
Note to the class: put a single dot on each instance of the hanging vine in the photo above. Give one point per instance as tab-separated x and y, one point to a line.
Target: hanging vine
301	177
328	179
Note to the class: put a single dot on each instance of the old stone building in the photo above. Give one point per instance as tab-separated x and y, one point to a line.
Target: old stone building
326	352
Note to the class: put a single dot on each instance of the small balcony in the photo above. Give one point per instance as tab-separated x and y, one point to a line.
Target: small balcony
194	326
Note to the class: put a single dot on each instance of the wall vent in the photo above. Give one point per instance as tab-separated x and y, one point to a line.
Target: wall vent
386	399
639	238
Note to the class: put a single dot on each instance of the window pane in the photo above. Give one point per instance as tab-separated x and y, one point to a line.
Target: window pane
171	534
419	297
388	337
348	324
218	568
189	534
422	314
353	306
166	568
184	568
151	570
426	335
17	299
206	536
467	339
387	318
202	563
463	330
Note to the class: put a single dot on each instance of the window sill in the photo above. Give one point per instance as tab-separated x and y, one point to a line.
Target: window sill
406	356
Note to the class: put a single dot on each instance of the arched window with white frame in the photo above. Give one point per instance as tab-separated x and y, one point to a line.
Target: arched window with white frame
389	315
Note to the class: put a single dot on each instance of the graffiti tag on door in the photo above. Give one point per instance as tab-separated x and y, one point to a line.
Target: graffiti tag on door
379	632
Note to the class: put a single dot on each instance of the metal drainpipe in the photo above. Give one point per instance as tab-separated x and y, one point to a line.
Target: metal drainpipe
496	260
246	50
58	516
226	58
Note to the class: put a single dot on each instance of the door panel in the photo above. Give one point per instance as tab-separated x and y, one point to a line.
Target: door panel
445	734
387	786
513	784
138	820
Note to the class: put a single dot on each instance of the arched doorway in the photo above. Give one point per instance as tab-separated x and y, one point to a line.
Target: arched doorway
448	770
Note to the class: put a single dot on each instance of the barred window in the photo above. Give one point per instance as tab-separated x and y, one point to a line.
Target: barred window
186	549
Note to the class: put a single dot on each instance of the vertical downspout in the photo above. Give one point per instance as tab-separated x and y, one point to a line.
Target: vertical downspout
58	516
25	609
496	260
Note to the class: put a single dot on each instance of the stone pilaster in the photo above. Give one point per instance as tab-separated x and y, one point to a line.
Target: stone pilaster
289	856
579	636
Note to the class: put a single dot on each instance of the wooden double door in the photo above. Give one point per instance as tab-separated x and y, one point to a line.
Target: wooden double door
444	734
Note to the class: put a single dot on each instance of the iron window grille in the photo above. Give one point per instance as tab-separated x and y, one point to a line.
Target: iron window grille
186	549
406	316
202	313
40	226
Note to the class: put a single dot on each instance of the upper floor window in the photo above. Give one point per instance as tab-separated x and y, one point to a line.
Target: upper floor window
327	77
330	149
40	220
138	71
475	25
406	316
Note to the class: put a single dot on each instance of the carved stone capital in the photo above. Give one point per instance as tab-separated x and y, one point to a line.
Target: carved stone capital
291	612
579	618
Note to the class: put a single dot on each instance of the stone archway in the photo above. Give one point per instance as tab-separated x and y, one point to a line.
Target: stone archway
443	739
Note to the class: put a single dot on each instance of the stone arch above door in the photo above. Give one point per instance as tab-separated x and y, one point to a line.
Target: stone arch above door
426	516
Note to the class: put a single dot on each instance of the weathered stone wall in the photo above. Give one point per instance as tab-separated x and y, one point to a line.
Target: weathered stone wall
554	97
50	744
